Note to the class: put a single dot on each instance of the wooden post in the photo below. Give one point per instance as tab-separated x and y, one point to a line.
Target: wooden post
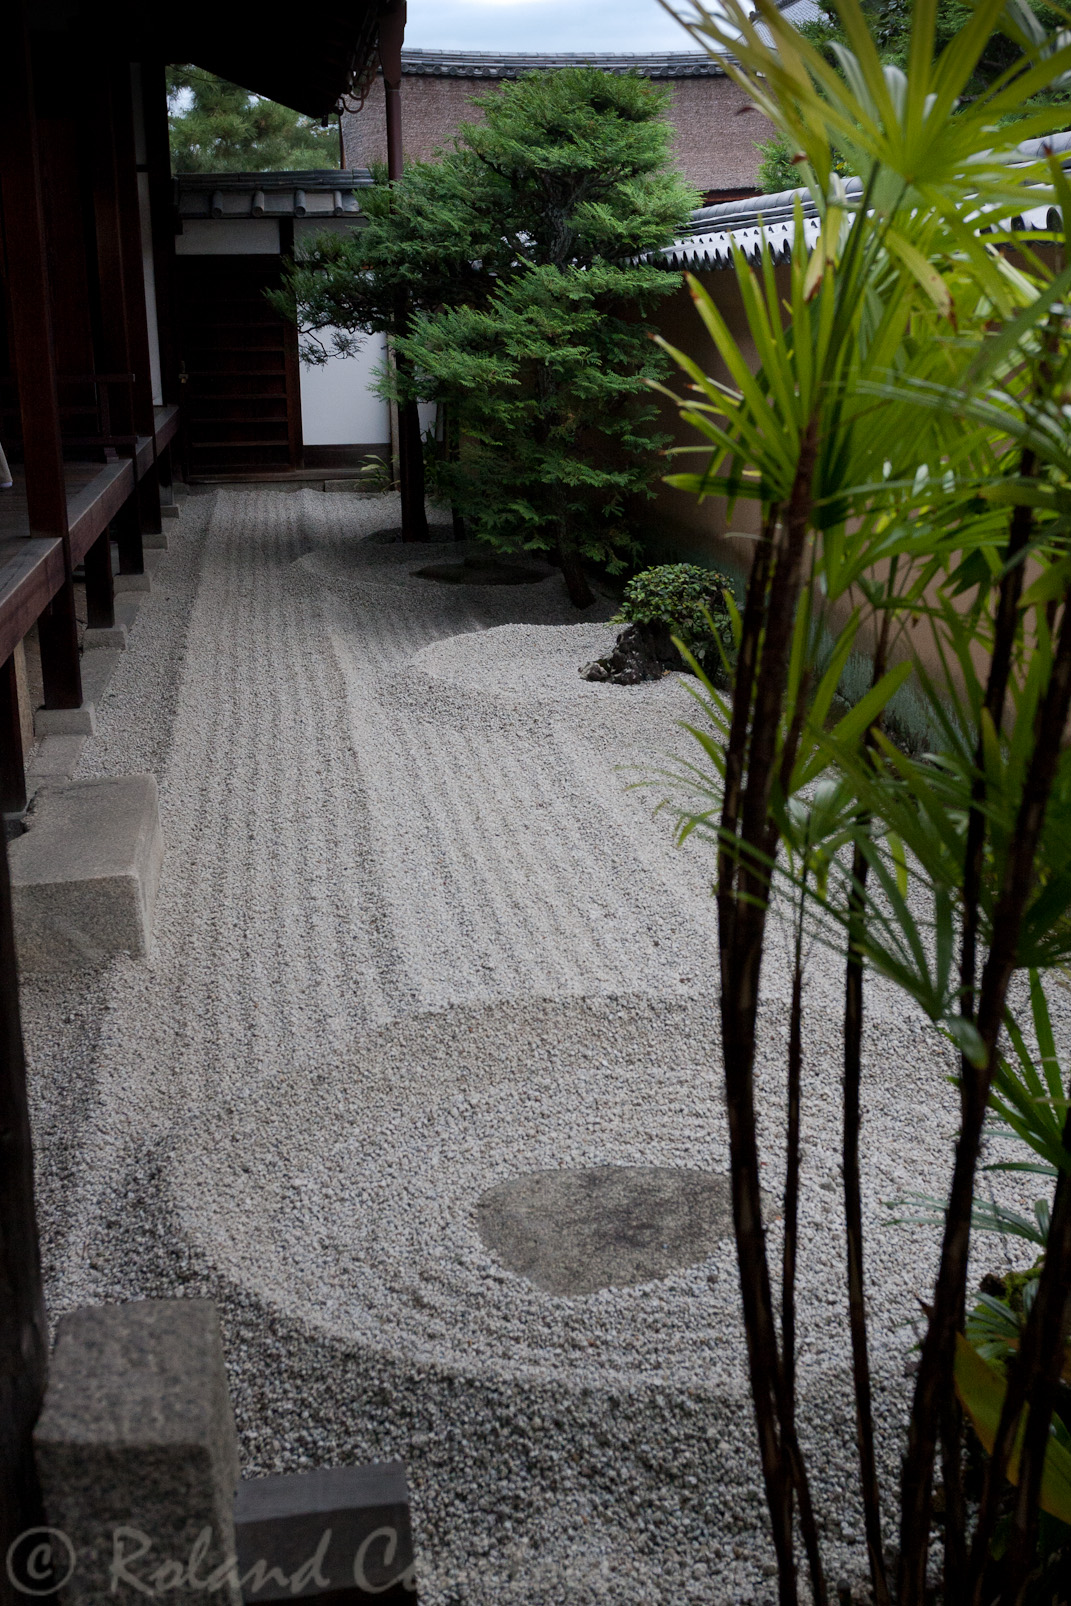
410	447
124	341
135	308
35	368
23	1330
127	527
100	590
292	360
162	212
165	473
128	219
12	770
114	354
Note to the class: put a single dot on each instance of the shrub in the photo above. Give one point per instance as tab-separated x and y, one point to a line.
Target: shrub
685	599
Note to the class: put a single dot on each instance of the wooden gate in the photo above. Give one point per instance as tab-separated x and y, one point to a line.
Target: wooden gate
240	376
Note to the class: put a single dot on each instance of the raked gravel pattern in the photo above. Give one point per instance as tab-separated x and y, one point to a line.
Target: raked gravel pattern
417	935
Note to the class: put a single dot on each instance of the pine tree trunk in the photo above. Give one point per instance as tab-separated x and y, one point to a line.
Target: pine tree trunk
576	581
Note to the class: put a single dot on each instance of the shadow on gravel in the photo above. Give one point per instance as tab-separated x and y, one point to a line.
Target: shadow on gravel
482	572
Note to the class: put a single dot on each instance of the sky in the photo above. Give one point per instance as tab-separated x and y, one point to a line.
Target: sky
544	25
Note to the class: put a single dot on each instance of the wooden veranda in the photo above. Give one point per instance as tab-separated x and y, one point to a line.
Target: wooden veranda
89	416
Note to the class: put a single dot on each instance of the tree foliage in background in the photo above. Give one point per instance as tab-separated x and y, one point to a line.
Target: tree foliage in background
898	418
1022	23
218	127
777	169
890	26
514	256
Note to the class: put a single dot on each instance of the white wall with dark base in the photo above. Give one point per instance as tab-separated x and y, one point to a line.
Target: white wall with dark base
338	405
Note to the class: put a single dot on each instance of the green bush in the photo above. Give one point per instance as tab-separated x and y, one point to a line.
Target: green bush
777	170
685	599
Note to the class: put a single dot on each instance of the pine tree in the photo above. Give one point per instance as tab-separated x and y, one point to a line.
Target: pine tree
517	260
218	127
548	375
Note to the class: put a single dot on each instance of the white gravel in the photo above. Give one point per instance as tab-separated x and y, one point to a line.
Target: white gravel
415	936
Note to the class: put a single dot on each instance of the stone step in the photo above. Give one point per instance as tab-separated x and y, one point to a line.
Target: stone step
85	872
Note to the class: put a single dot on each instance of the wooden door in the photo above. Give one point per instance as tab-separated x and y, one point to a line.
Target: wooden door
241	390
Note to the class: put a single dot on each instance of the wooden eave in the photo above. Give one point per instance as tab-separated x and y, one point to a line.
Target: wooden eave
310	69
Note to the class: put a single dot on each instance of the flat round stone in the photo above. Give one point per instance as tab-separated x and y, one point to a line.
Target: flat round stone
576	1231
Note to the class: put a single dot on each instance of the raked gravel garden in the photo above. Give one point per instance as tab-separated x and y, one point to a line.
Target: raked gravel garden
418	938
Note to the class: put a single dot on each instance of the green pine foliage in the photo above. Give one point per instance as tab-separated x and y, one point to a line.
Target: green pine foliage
509	274
777	169
548	373
218	127
433	239
558	432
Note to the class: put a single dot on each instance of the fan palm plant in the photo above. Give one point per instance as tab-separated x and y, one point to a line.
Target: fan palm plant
903	439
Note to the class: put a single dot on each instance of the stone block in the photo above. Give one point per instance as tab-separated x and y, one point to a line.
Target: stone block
169	510
25	700
138	1456
127	607
80	721
85	873
56	759
341	1534
105	636
156	541
132	582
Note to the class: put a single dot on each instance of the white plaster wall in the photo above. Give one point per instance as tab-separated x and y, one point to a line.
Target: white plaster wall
203	237
338	406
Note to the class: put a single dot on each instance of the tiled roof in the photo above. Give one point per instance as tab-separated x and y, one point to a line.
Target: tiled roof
322	193
486	64
709	239
796	11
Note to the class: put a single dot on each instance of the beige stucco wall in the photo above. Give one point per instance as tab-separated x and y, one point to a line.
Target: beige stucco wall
678	517
716	127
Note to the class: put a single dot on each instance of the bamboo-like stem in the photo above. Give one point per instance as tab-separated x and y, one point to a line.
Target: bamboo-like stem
933	1386
996	692
1040	1361
1007	919
790	1207
743	883
851	1181
955	1525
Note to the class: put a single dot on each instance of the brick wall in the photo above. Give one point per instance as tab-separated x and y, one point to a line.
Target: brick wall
717	129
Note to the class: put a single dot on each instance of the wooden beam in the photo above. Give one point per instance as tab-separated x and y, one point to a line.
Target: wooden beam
28	582
35	368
